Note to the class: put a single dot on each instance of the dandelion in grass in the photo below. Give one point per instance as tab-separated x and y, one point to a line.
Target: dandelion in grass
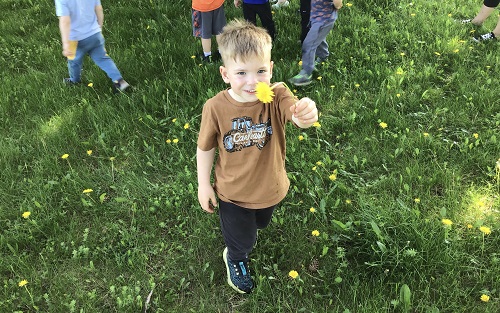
23	283
168	141
112	158
446	222
319	163
348	4
26	214
186	126
456	51
293	274
383	125
65	156
475	135
314	168
412	14
485	230
301	137
89	152
332	86
400	71
469	226
264	92
437	53
402	54
417	200
319	78
333	176
175	140
193	57
312	210
174	120
426	134
300	63
316	124
357	85
91	85
315	233
88	190
485	298
348	201
398	95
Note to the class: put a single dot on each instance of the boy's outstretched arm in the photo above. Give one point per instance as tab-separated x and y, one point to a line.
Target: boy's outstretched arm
65	28
206	194
100	15
305	113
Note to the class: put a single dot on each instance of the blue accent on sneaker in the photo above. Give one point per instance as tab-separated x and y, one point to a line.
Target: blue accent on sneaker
238	274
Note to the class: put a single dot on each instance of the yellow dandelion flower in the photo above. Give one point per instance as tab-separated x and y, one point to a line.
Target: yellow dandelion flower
300	63
87	190
174	120
456	50
417	200
193	57
319	78
485	298
147	27
413	14
26	214
294	91
314	168
315	233
446	222
64	156
333	176
398	95
402	54
348	4
89	152
112	158
301	137
264	92
293	274
91	85
175	140
469	226
426	134
476	135
316	124
168	141
437	53
23	283
319	163
400	71
357	85
348	201
383	125
312	210
485	230
186	126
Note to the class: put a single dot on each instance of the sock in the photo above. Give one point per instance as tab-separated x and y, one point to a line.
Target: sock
207	53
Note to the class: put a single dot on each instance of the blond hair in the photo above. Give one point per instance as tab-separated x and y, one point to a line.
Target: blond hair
241	40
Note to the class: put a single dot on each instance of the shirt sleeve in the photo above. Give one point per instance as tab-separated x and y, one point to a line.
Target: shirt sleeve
286	99
207	137
62	8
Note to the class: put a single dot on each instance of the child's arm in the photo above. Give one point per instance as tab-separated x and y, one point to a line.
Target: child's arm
206	194
338	4
100	15
65	28
305	113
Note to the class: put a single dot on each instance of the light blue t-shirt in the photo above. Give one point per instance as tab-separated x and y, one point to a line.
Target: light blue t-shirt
83	18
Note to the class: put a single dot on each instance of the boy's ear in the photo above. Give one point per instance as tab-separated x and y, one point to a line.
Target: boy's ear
223	73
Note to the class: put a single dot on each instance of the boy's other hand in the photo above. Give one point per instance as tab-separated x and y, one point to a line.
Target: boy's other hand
237	3
338	4
305	112
207	199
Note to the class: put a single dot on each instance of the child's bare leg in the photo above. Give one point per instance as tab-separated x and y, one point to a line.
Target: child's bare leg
496	31
482	15
206	44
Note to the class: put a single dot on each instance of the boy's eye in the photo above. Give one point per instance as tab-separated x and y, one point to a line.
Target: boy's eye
262	71
240	73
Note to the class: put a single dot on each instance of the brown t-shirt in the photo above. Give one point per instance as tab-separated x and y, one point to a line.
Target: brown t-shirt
250	168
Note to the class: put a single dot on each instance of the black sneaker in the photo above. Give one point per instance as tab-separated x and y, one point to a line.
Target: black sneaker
206	58
120	85
485	37
216	56
238	274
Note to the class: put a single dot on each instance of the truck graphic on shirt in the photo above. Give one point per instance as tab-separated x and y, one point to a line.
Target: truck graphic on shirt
245	133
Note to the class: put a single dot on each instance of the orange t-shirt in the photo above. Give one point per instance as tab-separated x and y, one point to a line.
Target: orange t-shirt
207	5
250	137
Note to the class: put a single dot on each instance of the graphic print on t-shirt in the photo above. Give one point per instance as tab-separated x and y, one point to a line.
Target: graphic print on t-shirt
245	133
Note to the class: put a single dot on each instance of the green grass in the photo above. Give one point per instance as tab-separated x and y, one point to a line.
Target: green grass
382	246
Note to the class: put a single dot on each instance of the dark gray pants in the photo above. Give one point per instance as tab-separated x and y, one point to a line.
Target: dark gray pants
239	227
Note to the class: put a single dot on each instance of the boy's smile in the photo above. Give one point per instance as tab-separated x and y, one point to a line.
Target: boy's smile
243	76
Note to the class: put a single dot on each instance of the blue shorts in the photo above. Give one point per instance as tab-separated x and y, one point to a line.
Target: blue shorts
207	24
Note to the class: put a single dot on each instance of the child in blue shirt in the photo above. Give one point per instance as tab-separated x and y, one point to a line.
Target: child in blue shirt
315	48
80	24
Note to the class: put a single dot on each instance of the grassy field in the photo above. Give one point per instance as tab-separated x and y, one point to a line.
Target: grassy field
394	199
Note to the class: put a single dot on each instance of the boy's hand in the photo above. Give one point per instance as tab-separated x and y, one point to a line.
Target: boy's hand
305	112
206	197
237	3
338	4
67	51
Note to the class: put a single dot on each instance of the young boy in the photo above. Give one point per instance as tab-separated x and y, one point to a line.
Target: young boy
208	19
262	8
80	23
315	48
250	177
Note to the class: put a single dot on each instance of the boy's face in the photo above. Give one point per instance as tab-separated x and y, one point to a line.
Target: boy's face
243	76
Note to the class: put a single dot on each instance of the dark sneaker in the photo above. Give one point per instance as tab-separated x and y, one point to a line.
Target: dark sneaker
238	274
120	85
301	79
216	56
206	58
67	81
485	37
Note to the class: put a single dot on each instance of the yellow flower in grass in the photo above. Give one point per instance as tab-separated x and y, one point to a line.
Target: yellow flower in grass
437	53
469	226
293	274
312	210
168	141
476	135
319	163
23	283
174	120
333	176
446	222
314	168
485	298
417	200
301	137
300	63
186	126
348	201
64	156
319	77
26	214
175	140
264	92
316	124
383	125
89	152
426	134
348	4
91	85
315	233
402	54
87	190
485	230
